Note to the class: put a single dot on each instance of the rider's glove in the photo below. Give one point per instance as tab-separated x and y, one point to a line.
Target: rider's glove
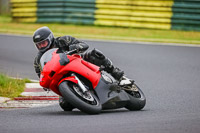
78	47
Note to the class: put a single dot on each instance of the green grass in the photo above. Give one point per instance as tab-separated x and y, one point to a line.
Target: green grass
100	32
10	87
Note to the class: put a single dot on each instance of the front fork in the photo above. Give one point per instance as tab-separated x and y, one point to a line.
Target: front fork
73	78
80	84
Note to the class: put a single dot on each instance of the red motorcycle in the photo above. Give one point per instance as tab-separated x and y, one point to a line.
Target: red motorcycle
86	86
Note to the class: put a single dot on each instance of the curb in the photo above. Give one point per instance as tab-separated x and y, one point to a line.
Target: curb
33	96
37	98
4	99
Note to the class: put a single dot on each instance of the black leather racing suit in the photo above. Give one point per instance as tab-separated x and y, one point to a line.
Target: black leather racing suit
67	43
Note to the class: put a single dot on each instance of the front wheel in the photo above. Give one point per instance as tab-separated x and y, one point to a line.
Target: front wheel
66	106
137	99
86	102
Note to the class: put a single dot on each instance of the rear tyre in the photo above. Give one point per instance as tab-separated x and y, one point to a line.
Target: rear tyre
66	106
87	103
137	99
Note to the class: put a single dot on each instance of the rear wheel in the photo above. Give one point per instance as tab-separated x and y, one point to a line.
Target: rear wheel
137	98
86	102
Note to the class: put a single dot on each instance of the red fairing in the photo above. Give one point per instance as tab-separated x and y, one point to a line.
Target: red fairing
54	70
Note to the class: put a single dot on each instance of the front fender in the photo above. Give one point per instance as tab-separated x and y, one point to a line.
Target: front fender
71	78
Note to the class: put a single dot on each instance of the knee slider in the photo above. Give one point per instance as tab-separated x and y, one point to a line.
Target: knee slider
94	56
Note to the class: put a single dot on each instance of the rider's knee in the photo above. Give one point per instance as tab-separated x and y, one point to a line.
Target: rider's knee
95	56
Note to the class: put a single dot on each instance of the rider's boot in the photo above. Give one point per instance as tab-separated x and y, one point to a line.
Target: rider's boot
117	73
126	81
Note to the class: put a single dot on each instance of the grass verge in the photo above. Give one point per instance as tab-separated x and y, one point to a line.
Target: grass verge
100	32
10	87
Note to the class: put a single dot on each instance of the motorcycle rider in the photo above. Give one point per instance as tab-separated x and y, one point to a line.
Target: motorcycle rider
45	40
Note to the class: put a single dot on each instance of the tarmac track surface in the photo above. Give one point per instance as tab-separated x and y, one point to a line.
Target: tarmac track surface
168	75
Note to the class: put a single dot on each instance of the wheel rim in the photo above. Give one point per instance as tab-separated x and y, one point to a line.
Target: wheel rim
134	91
87	96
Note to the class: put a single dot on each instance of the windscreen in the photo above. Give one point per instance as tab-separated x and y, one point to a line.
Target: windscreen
46	57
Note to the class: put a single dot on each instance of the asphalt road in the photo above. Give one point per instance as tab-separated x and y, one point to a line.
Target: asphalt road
168	75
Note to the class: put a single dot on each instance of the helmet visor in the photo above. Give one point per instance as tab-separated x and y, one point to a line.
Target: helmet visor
43	44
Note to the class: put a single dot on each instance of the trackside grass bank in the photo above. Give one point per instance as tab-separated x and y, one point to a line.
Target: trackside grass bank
10	87
106	33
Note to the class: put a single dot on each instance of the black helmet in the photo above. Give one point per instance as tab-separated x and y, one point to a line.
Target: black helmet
43	38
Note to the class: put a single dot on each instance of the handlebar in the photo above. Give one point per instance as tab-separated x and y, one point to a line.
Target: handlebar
71	52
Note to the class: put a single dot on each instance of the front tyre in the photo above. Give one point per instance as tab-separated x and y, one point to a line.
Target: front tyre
87	103
137	99
66	106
